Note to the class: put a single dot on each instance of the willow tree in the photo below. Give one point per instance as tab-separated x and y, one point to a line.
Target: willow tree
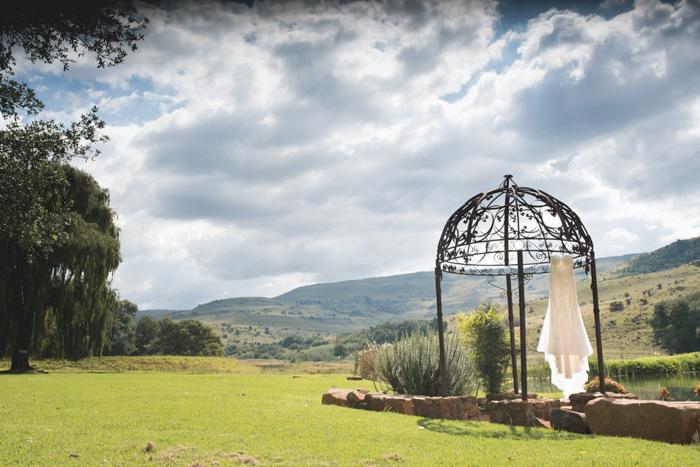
81	304
58	241
58	244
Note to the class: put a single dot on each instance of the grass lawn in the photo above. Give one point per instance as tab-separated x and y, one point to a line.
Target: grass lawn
81	418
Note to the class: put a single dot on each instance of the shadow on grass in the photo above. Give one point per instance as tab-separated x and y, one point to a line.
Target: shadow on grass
492	430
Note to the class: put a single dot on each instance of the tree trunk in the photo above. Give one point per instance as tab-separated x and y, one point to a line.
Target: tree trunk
25	323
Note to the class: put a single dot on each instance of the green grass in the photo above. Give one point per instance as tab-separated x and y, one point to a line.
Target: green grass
145	363
109	418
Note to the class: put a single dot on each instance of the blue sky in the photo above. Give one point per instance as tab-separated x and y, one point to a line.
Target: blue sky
258	149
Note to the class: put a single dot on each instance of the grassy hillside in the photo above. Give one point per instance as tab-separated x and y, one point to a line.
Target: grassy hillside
671	256
325	310
625	333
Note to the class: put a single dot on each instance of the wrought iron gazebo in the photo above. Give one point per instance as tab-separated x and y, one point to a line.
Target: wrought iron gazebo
512	231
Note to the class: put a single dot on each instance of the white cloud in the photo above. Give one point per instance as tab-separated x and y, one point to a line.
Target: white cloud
257	149
621	241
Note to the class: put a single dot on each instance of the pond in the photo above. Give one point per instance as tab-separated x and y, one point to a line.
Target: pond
645	387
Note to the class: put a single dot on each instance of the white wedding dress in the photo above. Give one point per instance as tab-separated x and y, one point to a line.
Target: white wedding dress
564	340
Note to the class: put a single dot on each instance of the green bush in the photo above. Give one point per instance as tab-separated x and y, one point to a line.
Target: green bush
674	364
412	366
484	333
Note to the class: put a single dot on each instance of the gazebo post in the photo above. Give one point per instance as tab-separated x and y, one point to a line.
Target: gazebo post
441	338
511	328
509	290
523	347
596	316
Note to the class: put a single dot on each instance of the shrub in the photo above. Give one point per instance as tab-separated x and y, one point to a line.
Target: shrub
610	386
616	306
484	333
697	390
674	364
412	366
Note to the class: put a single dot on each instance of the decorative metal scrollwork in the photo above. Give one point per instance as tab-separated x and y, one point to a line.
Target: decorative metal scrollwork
484	235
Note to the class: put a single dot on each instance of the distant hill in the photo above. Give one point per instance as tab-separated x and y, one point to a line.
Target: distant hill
671	256
325	310
626	331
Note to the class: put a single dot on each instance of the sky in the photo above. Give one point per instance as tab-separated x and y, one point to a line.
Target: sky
258	149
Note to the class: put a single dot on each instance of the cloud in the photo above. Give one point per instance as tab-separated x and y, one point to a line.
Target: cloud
257	149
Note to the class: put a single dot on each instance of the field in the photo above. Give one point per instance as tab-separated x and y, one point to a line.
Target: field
135	417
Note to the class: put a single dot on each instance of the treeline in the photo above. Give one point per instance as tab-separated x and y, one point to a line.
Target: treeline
297	348
671	256
149	336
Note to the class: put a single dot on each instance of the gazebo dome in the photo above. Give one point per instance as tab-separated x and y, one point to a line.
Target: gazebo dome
483	236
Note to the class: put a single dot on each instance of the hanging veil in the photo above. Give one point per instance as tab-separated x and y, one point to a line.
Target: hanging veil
564	340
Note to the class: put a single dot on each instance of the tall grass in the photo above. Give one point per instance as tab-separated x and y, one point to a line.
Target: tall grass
367	362
412	366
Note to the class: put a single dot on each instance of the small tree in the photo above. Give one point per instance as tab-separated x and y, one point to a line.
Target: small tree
484	333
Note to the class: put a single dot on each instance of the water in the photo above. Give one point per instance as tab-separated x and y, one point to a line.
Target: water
645	387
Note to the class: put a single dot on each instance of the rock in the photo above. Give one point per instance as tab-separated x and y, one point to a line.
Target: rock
400	403
376	401
533	412
509	396
567	420
356	396
671	422
539	423
580	399
336	396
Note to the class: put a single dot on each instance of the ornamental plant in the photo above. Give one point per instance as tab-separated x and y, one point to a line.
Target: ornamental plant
697	391
412	366
665	395
610	386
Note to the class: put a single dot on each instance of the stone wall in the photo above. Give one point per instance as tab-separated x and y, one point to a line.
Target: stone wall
612	414
451	408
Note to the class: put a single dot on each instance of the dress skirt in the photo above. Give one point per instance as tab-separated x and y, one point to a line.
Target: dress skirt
564	340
